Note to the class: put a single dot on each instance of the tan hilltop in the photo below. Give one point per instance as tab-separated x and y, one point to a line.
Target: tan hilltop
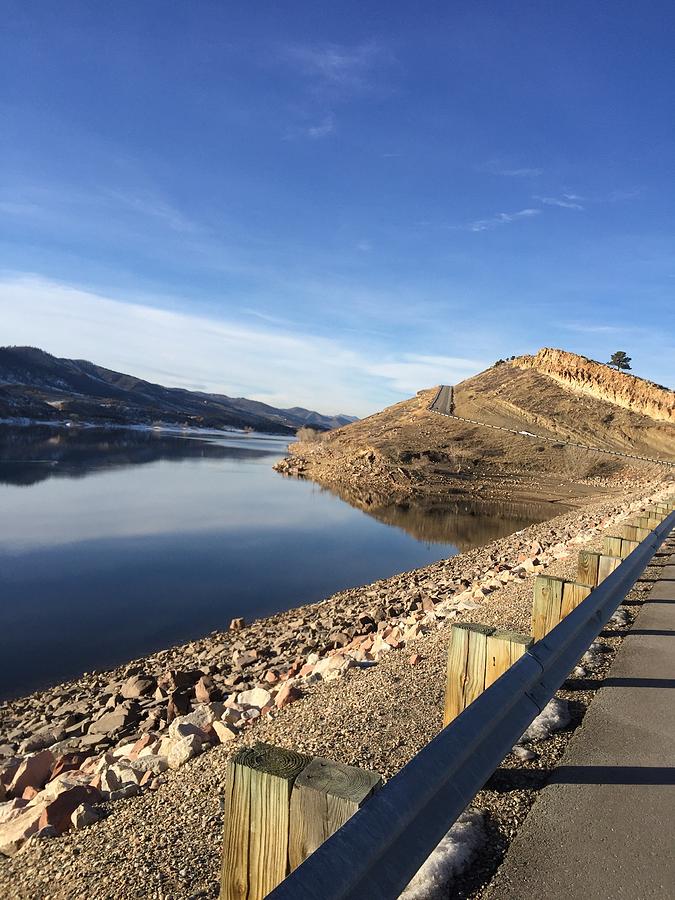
597	380
408	453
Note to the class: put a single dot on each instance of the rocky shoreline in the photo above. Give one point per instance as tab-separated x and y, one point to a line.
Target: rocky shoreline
112	735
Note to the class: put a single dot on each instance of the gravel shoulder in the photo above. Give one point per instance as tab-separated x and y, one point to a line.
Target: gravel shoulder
166	843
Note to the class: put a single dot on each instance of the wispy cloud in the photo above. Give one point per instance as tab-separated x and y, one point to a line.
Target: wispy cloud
154	206
586	328
273	362
314	131
502	218
494	167
412	370
338	66
567	201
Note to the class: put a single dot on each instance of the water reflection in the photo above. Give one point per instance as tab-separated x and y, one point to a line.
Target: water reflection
116	543
466	524
32	454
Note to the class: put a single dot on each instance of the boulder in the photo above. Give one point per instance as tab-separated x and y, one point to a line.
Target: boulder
15	830
137	686
237	624
206	690
289	693
57	812
123	715
143	746
183	749
197	722
33	771
84	815
42	738
69	762
256	697
223	732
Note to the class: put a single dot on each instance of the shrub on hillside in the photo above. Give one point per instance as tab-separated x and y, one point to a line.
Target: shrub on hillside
310	435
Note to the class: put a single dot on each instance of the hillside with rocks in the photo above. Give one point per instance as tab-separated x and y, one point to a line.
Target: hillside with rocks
552	401
37	386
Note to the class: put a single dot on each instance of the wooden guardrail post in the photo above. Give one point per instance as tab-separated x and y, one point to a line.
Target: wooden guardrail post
503	649
324	796
633	532
554	598
607	565
256	831
587	567
613	545
279	807
477	656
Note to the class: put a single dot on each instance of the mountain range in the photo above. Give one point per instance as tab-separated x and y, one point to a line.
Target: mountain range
38	386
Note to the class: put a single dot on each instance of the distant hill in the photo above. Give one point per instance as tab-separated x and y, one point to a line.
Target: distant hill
407	451
38	386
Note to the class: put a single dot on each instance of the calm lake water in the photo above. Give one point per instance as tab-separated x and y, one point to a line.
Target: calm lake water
116	543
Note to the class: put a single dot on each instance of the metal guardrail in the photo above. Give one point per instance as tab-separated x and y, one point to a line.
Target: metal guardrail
376	853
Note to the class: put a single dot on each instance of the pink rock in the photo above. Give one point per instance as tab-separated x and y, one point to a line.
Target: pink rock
415	659
289	693
146	741
11	809
15	831
271	677
57	812
237	624
69	761
206	690
33	771
29	793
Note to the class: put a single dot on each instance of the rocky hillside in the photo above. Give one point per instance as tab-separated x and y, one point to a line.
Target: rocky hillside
38	386
407	453
588	377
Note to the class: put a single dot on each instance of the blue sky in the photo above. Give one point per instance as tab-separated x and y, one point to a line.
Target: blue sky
336	205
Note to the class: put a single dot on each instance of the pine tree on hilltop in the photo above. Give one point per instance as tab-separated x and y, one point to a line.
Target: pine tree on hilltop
620	359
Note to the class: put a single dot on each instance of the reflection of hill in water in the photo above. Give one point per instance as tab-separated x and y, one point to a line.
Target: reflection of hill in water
32	454
465	524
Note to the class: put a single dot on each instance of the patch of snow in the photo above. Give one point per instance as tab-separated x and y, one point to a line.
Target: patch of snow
620	617
449	859
592	658
554	717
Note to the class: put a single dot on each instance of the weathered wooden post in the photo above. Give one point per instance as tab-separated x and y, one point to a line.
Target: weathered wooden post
279	807
554	598
257	813
477	656
633	532
503	649
607	565
587	567
324	796
612	545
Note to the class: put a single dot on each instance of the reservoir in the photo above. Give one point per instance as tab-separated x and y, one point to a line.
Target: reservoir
115	543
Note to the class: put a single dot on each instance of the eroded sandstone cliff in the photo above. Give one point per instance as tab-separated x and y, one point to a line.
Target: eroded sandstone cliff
602	382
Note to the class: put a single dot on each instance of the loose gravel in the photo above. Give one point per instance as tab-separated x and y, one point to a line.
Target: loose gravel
166	844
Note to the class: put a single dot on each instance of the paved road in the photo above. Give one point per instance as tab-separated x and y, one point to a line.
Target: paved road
603	828
444	403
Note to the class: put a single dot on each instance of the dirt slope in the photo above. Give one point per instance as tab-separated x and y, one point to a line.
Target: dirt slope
409	453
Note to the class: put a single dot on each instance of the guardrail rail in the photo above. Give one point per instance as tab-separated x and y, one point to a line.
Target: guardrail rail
378	851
